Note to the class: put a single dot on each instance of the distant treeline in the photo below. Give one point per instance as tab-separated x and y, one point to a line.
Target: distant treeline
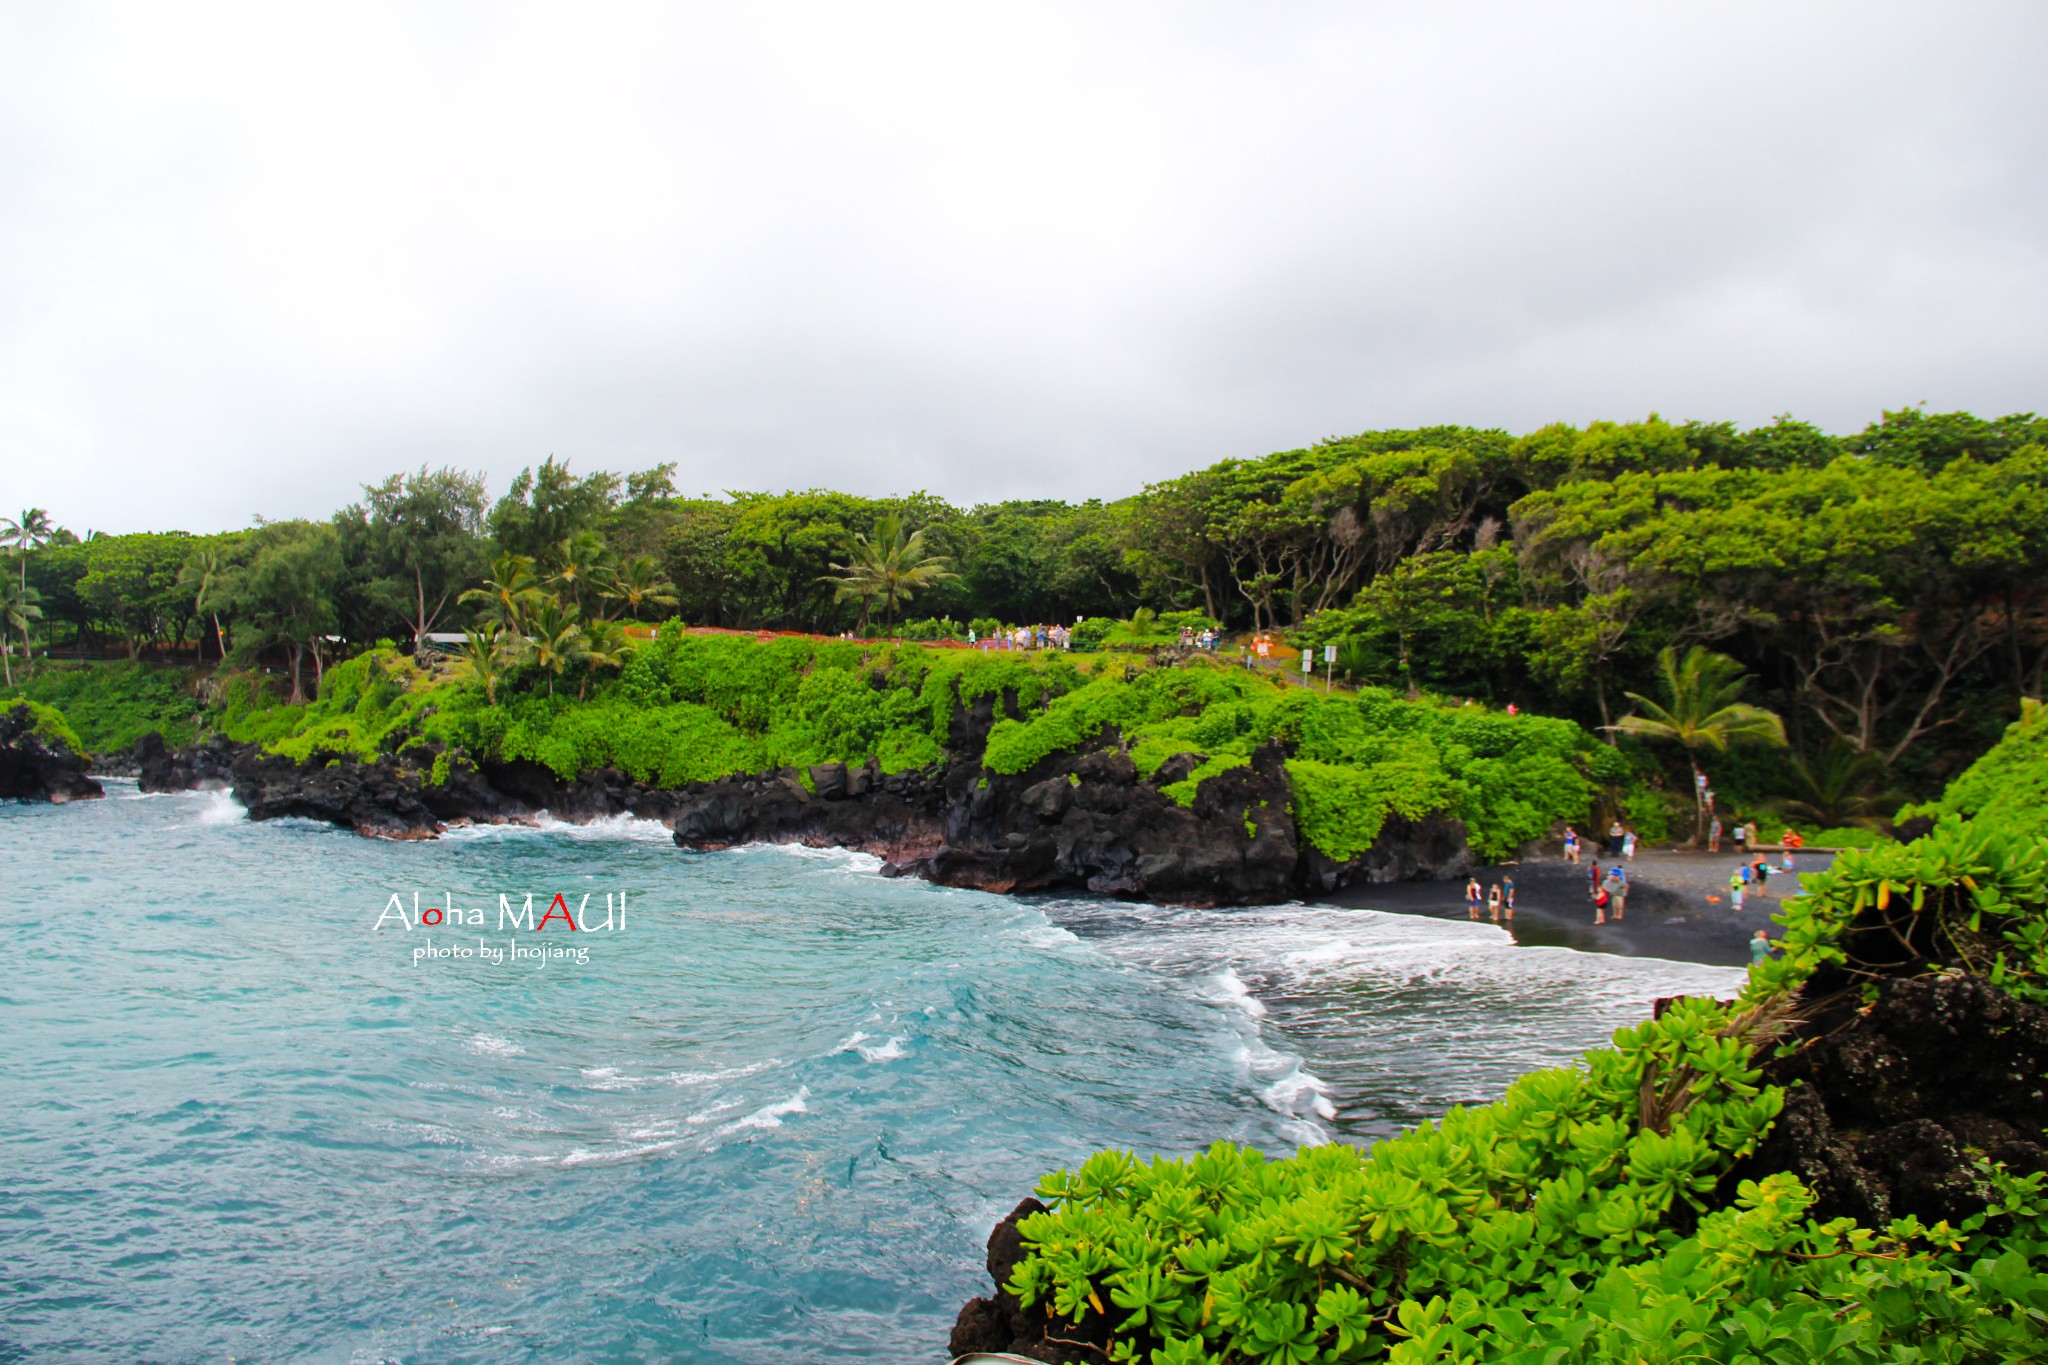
1886	588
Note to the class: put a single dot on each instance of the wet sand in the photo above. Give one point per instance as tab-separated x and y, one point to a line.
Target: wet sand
1670	913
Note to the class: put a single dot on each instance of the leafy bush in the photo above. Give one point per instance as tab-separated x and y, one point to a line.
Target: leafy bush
2008	784
47	723
112	705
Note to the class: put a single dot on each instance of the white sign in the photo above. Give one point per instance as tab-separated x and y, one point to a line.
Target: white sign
1329	654
1308	661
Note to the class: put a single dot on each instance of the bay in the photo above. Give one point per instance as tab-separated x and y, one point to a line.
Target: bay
771	1118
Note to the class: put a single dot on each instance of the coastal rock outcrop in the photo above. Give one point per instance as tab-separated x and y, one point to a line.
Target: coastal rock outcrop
1083	819
36	768
1889	1106
1001	1323
205	766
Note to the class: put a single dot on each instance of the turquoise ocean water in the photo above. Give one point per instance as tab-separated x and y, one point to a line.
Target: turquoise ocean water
772	1118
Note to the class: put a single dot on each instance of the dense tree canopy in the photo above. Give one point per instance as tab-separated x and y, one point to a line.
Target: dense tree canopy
1883	590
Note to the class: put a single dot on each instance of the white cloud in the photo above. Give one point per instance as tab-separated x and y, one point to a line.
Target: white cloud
251	257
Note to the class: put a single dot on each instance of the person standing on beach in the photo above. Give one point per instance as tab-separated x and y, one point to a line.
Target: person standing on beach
1760	874
1714	836
1571	845
1493	902
1617	891
1507	887
1791	843
1614	838
1741	837
1472	897
1628	845
1737	882
1759	947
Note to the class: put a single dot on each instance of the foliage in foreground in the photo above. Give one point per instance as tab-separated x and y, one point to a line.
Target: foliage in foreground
1577	1218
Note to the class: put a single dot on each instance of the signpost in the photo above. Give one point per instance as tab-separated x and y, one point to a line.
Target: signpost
1329	667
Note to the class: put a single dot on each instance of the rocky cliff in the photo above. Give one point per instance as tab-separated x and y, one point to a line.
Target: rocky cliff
1081	820
35	768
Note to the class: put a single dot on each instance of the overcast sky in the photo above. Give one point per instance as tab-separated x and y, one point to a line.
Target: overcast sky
251	257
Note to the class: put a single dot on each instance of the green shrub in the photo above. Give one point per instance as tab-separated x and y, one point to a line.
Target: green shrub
111	705
47	723
2009	784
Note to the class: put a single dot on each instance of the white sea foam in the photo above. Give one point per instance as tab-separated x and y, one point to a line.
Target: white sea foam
485	1045
584	1156
771	1116
1231	990
221	808
608	1077
621	826
850	860
886	1051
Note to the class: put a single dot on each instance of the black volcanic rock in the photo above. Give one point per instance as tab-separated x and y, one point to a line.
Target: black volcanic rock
1888	1106
379	800
35	769
206	766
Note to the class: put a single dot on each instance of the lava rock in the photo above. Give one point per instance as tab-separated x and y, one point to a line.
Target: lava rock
35	769
378	800
1888	1107
206	766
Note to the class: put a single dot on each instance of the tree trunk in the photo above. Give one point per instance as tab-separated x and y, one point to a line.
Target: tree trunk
298	653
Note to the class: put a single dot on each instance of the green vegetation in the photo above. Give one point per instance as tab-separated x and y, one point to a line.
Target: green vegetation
2008	785
46	722
1576	1219
1876	589
113	705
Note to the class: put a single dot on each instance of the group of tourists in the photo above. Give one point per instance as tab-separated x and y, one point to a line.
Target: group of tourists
1499	899
1621	842
1190	638
1024	637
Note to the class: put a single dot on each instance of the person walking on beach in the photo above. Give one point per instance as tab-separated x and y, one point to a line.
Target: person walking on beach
1493	902
1628	845
1571	845
1760	874
1741	837
1507	901
1714	836
1738	881
1759	947
1614	838
1472	897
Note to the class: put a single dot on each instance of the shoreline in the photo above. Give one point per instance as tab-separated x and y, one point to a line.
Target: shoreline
1669	913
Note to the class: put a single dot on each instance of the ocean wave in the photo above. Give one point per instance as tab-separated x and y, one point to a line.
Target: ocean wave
886	1051
771	1116
485	1045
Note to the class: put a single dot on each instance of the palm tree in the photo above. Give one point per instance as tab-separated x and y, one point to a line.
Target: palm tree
554	639
1845	787
205	577
1702	709
892	566
18	607
581	564
637	583
605	645
29	531
509	593
483	650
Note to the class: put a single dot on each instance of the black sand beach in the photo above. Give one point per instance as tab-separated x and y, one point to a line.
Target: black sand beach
1670	913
